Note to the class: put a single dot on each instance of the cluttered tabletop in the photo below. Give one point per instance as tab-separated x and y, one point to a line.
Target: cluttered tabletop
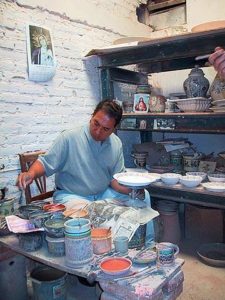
120	261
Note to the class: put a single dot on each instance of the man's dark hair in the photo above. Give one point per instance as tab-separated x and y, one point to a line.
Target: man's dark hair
111	108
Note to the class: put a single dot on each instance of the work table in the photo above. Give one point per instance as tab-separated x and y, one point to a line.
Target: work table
179	193
157	285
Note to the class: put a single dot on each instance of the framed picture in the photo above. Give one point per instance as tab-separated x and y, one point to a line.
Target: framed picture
207	166
141	103
40	53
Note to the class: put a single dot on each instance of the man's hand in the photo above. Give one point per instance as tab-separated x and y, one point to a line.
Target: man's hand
139	194
217	59
23	180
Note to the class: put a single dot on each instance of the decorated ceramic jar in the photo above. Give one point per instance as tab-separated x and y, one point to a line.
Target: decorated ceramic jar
157	103
196	85
217	88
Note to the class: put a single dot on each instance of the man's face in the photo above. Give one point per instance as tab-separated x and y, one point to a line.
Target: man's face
101	126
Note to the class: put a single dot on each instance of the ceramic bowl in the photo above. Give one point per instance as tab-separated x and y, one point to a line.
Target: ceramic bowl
54	227
170	178
39	218
212	254
190	181
202	174
26	210
193	104
216	177
54	207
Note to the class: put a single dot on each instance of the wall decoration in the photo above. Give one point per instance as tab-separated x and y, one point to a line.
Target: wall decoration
40	53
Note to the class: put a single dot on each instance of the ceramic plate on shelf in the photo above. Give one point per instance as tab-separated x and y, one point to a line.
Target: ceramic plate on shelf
218	109
115	265
134	178
209	26
220	102
218	187
188	99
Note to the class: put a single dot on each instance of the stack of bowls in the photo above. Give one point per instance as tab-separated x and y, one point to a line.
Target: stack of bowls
54	228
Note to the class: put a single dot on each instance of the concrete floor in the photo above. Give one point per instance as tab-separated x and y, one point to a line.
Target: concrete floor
201	282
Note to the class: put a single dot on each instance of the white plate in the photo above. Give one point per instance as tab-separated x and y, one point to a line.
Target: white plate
220	102
134	178
214	186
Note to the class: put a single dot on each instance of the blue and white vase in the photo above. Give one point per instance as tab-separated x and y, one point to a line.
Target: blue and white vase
196	85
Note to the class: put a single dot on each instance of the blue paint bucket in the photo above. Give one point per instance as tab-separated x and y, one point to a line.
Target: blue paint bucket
48	283
78	244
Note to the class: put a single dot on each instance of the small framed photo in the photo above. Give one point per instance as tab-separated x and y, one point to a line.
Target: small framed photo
207	166
141	103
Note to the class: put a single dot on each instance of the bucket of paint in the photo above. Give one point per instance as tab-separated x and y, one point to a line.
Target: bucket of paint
31	241
101	240
78	244
56	246
7	207
48	283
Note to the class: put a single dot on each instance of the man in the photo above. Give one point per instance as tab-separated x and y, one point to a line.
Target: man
217	59
85	159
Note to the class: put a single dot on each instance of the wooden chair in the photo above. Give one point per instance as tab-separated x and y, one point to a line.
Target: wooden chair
26	160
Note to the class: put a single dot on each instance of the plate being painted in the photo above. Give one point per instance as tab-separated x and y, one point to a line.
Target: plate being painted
135	178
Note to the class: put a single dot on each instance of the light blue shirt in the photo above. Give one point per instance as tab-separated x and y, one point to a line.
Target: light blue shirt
82	165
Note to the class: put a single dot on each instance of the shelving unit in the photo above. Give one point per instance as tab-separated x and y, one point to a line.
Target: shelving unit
160	55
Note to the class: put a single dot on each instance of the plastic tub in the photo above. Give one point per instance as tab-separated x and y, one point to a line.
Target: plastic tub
56	246
101	240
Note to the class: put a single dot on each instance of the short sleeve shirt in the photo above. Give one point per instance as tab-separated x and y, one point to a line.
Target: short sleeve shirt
82	165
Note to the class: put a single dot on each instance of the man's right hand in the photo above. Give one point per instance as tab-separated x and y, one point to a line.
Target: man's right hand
23	180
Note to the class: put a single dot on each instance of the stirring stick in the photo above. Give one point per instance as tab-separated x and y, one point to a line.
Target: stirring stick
200	57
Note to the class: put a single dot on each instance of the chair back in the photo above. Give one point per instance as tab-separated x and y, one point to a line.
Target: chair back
26	160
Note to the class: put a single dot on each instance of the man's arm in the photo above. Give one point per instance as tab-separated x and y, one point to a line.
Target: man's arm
119	188
25	178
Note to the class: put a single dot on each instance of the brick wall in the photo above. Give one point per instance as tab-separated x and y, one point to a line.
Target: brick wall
33	114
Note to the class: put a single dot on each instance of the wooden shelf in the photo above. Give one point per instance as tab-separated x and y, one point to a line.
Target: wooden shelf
203	122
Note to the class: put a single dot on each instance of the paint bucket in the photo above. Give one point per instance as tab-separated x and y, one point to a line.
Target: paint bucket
30	241
101	240
56	246
48	283
78	244
7	207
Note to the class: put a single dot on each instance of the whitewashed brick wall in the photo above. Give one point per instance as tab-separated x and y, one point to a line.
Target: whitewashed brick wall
33	114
